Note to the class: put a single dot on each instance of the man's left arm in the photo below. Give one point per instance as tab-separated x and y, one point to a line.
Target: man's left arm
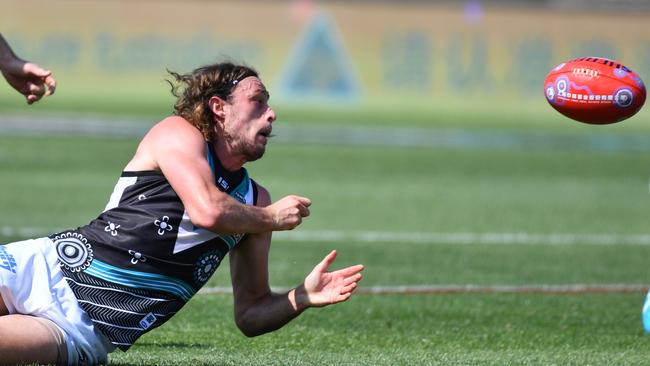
257	309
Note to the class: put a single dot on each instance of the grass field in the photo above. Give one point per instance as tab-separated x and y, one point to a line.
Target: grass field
509	215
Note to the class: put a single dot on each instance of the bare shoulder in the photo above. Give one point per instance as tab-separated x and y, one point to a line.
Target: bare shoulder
177	127
172	135
263	196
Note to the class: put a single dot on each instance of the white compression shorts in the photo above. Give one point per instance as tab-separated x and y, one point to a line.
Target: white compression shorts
31	283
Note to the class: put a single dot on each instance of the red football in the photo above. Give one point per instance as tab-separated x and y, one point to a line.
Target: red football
594	90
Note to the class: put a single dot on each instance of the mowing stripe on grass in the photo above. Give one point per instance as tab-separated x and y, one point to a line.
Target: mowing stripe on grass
461	289
26	232
414	237
70	125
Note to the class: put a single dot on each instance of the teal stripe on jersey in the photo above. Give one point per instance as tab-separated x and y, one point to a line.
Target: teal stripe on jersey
140	280
242	188
239	194
210	160
229	239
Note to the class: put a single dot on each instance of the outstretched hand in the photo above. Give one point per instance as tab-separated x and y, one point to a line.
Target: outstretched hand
323	288
29	79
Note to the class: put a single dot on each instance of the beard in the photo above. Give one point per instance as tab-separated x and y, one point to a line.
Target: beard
239	143
252	152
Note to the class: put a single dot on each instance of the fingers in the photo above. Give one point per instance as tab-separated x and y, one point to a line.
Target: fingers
40	82
304	200
51	84
289	212
352	270
326	288
34	92
302	205
344	297
326	262
352	279
349	283
303	210
348	289
36	89
35	70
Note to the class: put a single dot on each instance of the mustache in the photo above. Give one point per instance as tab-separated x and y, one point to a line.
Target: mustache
267	132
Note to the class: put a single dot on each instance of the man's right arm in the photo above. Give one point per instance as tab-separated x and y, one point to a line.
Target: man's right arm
178	150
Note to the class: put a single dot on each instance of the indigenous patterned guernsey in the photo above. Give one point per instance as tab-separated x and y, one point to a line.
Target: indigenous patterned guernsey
141	260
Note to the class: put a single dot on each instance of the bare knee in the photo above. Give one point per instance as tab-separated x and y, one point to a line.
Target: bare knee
25	339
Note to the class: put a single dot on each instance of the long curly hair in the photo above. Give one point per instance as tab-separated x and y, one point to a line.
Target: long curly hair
193	91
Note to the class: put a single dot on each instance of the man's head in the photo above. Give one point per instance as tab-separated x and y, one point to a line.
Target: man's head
243	121
228	103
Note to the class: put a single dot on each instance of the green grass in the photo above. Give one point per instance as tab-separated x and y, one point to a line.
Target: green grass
406	330
152	100
58	182
52	183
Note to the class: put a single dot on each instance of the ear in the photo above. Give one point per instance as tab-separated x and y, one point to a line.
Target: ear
216	105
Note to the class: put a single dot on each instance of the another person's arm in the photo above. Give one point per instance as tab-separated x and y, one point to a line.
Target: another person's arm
257	309
27	78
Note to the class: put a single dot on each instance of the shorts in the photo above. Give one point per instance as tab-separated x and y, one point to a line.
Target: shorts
31	283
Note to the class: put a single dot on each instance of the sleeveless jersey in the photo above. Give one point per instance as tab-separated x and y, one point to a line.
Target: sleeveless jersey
141	260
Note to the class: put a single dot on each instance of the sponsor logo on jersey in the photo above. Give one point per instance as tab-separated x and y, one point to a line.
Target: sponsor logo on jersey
148	321
223	183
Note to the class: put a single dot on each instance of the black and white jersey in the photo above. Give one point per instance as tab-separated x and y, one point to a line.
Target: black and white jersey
142	259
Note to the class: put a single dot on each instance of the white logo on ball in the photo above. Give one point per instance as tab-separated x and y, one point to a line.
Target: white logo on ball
623	98
561	87
550	93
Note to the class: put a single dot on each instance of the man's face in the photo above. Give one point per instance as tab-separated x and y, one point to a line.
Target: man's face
247	126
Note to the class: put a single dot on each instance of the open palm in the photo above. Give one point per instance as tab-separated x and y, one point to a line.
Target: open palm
325	288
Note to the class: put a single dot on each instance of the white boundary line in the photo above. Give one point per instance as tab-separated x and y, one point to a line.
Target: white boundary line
442	238
461	238
464	238
483	289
